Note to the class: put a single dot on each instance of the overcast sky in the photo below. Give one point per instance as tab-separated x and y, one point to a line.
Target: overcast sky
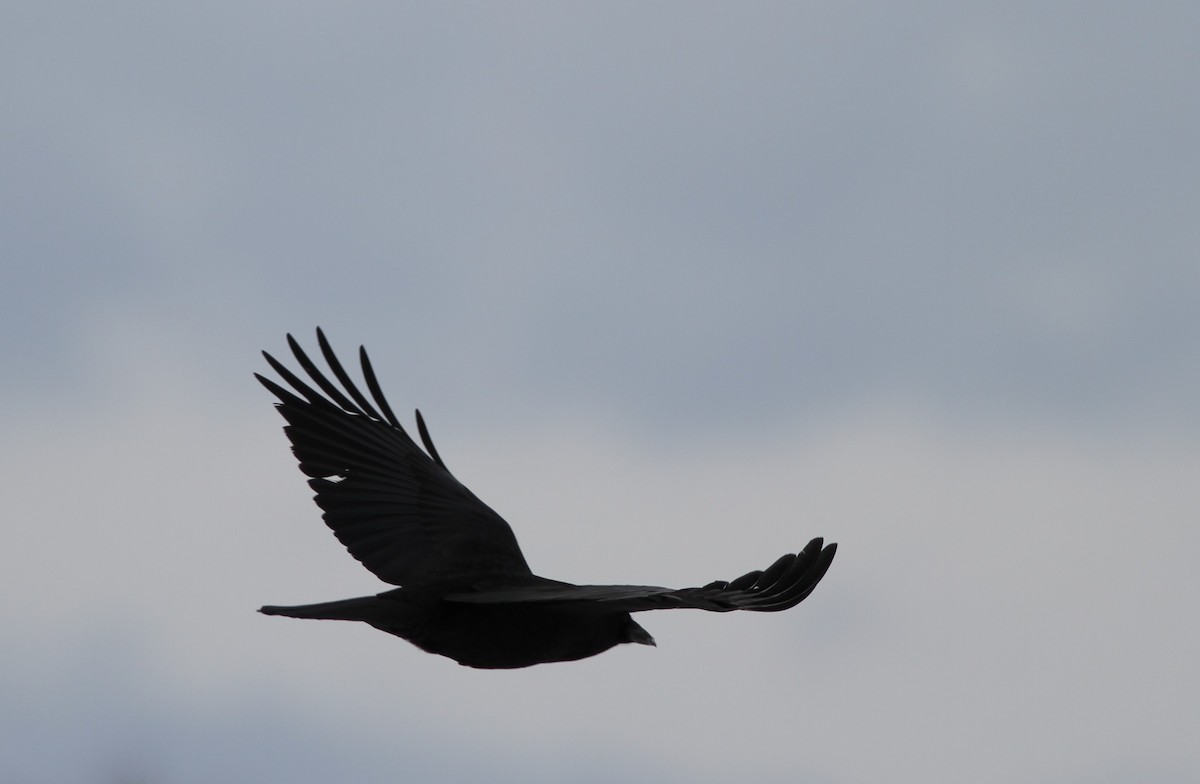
678	286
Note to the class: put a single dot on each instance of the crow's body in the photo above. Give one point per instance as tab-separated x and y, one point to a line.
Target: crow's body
485	636
467	592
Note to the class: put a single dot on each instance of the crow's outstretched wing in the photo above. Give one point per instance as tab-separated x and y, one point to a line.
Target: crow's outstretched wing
783	584
396	509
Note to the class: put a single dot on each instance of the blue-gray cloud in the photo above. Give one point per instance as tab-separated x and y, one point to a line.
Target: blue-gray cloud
775	213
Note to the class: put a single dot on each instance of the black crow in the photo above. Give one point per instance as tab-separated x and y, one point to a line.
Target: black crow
466	592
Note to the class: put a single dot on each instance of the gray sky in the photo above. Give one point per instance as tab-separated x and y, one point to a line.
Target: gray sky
678	286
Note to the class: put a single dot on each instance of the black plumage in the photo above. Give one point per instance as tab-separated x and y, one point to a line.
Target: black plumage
466	591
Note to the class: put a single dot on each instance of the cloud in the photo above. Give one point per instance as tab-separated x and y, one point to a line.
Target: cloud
987	588
921	281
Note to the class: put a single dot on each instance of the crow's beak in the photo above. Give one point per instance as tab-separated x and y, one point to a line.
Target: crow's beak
639	635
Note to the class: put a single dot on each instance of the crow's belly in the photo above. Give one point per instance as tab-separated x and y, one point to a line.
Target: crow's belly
506	636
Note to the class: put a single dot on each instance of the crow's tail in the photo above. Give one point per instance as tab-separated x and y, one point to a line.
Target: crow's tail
365	608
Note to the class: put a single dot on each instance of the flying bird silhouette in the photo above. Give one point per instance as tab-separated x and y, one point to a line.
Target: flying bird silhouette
466	591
